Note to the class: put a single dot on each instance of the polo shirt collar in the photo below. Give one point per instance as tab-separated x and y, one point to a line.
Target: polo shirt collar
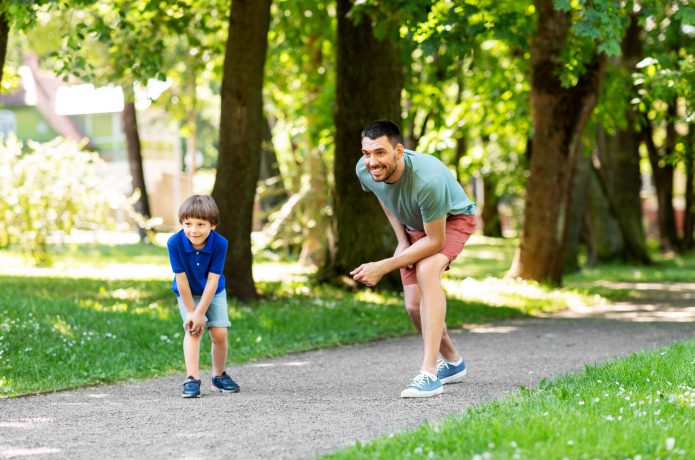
188	247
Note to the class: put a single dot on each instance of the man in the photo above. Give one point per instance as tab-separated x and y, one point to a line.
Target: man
432	218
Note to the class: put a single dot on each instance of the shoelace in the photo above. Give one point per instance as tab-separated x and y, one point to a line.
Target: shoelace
419	380
441	364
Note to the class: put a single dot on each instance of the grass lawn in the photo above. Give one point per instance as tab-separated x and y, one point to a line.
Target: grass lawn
640	407
106	313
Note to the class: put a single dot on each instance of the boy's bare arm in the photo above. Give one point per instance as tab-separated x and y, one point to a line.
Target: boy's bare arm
185	291
208	292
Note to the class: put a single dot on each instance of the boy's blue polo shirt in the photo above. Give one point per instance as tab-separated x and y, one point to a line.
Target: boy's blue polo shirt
197	263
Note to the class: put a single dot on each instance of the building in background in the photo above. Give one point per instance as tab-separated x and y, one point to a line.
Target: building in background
46	107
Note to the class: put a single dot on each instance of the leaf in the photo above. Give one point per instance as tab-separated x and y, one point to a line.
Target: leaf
562	5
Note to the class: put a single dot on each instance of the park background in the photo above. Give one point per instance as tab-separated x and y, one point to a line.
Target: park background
569	123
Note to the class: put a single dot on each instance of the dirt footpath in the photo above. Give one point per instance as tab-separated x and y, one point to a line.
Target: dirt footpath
306	404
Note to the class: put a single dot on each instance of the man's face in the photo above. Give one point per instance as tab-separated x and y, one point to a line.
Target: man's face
197	231
380	157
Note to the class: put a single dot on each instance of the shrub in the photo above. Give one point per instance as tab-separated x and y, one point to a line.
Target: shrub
51	188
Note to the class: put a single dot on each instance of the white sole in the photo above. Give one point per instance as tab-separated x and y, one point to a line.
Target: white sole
456	378
220	390
412	393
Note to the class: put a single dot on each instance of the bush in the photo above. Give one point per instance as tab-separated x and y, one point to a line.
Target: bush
53	187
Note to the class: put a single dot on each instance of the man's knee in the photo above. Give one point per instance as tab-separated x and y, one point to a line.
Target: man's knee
431	267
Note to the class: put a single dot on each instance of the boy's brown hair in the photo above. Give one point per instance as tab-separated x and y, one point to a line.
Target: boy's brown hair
200	207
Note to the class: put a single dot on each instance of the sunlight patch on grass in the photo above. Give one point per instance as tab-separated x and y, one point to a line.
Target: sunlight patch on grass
62	328
528	296
376	297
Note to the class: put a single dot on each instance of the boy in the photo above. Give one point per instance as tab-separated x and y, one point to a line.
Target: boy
197	254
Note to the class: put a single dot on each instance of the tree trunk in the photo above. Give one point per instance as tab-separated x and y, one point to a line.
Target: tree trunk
559	115
607	240
579	194
621	164
241	134
689	212
662	172
130	130
271	186
492	224
368	88
4	36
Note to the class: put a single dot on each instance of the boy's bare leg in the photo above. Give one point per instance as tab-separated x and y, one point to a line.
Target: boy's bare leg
413	304
433	312
218	349
191	354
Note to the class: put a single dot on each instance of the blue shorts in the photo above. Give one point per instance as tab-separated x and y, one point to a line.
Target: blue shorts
217	314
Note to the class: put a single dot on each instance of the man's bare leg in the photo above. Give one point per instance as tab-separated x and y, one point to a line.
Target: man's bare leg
433	311
413	304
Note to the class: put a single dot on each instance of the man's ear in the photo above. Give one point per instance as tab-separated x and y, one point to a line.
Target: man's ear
400	150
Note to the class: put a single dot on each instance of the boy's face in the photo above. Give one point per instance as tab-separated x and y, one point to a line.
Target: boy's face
197	231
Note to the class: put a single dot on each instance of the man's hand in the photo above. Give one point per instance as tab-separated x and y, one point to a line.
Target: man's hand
399	249
368	274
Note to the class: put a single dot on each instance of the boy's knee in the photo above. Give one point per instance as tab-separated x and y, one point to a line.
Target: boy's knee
218	335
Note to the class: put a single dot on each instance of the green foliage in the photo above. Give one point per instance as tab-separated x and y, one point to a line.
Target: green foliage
54	187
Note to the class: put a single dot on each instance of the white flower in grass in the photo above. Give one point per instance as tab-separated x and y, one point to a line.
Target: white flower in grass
513	443
570	443
418	450
670	443
490	445
609	418
595	400
581	403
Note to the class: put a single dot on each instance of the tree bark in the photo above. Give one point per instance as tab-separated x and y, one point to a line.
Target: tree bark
621	163
241	133
607	240
579	195
689	213
130	130
559	115
492	224
662	172
4	36
368	88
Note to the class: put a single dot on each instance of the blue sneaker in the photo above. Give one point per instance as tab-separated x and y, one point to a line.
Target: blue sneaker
225	384
191	388
423	385
448	373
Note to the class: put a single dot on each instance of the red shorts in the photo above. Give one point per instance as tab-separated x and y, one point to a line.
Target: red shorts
458	229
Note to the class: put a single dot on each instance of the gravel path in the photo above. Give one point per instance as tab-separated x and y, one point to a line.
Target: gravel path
316	402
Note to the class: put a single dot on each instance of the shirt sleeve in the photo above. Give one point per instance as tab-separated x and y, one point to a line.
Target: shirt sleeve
219	255
358	169
434	201
174	258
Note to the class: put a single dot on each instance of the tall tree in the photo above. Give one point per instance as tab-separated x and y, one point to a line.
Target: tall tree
559	110
621	164
368	88
241	136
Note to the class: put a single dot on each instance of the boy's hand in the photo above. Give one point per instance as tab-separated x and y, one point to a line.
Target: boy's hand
195	322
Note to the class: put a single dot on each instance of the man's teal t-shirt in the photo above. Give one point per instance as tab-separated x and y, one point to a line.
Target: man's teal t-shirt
426	191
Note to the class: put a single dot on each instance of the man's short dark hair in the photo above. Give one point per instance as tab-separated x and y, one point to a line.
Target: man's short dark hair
386	128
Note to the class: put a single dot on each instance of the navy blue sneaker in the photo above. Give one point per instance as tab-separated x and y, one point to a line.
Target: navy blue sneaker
225	384
423	385
191	388
448	373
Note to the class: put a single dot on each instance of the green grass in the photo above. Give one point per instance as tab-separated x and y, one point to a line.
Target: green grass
638	407
65	332
106	313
